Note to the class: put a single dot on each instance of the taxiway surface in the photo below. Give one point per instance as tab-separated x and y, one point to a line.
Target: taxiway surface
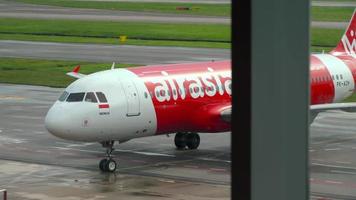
24	139
109	53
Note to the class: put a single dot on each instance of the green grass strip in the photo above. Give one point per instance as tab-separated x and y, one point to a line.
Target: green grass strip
193	9
143	31
326	37
214	36
114	41
332	14
45	72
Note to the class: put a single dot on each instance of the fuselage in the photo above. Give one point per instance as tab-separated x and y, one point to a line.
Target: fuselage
162	99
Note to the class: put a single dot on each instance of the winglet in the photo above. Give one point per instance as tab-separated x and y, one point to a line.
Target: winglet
76	69
75	73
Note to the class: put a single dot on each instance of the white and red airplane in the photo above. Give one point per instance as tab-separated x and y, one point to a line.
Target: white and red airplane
122	104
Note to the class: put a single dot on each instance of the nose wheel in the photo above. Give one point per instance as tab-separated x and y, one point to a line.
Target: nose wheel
187	140
108	164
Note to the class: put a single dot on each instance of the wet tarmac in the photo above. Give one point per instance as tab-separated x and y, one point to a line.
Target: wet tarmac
37	165
45	165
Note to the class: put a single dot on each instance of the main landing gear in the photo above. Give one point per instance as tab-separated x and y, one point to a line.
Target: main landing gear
108	164
190	140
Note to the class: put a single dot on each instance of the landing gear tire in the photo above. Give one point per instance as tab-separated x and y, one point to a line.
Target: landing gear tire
108	164
102	164
180	140
190	140
193	140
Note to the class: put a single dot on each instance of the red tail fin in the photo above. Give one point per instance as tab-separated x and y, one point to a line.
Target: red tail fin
347	45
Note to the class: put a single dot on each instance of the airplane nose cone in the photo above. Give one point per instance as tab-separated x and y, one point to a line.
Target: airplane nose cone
55	122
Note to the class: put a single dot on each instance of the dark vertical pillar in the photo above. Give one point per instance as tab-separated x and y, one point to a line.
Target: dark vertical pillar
241	95
271	99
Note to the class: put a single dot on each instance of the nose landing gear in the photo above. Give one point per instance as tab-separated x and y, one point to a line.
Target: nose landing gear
190	140
108	164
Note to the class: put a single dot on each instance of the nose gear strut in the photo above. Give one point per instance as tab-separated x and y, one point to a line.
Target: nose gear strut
108	164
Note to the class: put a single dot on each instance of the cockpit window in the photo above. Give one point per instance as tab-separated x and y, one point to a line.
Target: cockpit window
75	97
63	96
101	97
90	97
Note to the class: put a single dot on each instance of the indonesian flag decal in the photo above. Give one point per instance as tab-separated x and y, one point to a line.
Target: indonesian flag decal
104	109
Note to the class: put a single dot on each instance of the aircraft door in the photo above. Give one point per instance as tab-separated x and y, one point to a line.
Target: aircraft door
132	98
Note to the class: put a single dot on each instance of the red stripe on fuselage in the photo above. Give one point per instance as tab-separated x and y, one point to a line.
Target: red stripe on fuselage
321	84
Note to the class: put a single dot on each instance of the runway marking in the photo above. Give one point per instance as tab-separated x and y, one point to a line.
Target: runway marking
311	150
72	149
165	145
214	159
138	161
343	162
8	97
335	166
333	182
141	142
166	181
0	131
25	117
75	145
8	140
17	130
335	149
217	169
129	151
343	172
191	166
43	151
146	153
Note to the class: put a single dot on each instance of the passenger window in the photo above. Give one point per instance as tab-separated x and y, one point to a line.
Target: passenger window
337	77
101	97
146	95
63	96
76	97
341	76
90	97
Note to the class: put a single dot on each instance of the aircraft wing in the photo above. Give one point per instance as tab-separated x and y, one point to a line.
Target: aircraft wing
316	109
75	73
225	114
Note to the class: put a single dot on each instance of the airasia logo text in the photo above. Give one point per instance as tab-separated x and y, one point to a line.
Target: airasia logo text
196	85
